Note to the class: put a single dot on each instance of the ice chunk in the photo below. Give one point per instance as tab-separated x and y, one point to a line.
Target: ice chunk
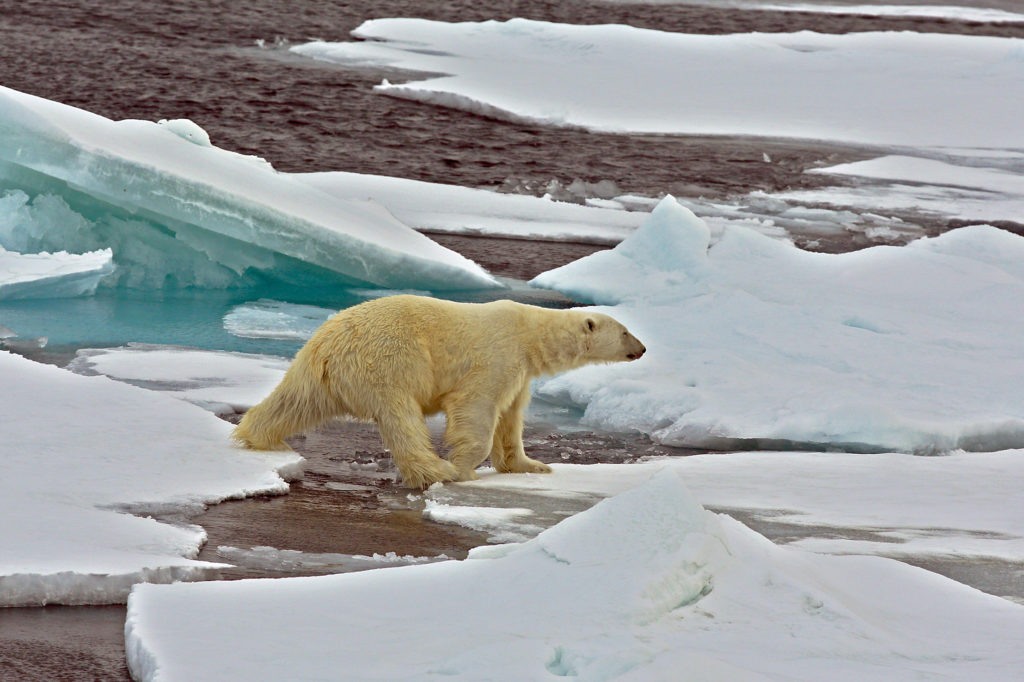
764	345
79	453
644	585
178	213
52	275
875	88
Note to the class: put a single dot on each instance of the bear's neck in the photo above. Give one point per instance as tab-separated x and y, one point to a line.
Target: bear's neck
554	349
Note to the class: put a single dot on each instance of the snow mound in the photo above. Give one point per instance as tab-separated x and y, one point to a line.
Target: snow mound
52	275
755	343
81	456
645	585
222	382
872	88
177	212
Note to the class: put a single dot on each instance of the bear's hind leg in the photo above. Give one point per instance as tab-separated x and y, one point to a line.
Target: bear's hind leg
405	434
470	435
507	454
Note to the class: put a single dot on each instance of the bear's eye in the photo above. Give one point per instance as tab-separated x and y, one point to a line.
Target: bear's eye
590	324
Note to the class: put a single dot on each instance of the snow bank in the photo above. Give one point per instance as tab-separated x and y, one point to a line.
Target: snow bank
646	585
79	453
754	343
51	275
177	212
909	184
874	88
219	381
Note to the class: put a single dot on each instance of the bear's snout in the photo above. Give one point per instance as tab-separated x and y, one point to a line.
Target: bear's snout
636	350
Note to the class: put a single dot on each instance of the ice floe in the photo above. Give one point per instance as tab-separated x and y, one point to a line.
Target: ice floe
178	213
268	319
959	191
880	88
952	12
962	505
755	343
645	585
222	382
52	275
449	208
87	462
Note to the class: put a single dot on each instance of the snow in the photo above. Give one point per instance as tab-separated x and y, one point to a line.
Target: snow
948	190
222	382
177	212
86	462
645	585
879	88
755	343
51	275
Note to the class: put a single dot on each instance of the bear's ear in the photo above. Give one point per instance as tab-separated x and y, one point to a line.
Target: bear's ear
590	324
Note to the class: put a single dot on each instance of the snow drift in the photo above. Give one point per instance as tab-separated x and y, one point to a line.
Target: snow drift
178	212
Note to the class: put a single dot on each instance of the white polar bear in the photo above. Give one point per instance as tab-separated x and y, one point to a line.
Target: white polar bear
396	359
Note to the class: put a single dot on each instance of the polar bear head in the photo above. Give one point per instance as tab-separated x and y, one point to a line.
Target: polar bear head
607	340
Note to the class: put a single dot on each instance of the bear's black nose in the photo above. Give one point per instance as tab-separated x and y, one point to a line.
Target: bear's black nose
634	356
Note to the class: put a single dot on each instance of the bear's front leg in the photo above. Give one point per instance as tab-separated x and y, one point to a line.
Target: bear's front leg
507	453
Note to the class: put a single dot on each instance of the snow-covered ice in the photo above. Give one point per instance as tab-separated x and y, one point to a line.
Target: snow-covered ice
79	454
51	275
879	88
755	343
222	382
178	212
645	585
962	190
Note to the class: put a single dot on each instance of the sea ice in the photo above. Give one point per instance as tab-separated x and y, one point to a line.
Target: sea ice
952	191
52	275
962	505
646	585
222	382
268	319
86	462
879	88
179	213
755	343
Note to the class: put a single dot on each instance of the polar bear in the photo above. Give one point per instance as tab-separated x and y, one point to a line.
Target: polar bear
396	359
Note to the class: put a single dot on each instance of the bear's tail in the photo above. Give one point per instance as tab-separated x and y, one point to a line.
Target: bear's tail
301	401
